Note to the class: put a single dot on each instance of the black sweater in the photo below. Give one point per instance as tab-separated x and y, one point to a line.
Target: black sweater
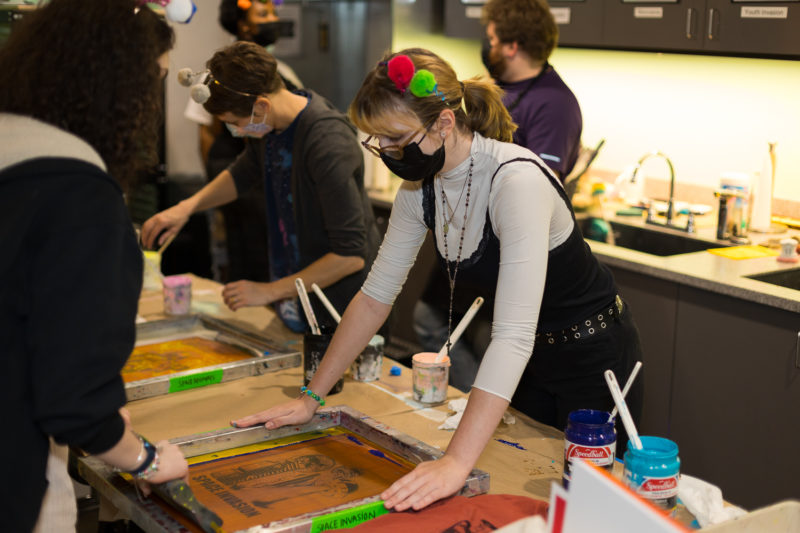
331	209
70	276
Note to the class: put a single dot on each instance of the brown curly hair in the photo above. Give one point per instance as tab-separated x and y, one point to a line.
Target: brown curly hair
242	67
528	22
91	68
379	104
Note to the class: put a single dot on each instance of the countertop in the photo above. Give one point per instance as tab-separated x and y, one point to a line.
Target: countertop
701	270
704	270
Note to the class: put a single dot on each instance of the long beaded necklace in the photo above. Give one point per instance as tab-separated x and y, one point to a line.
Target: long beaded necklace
449	220
451	276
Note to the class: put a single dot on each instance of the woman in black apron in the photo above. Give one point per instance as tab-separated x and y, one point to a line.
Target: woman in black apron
504	230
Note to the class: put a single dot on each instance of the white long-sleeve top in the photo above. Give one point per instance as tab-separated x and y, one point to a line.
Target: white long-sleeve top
528	217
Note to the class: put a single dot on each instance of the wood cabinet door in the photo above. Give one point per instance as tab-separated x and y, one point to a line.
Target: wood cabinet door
752	27
580	22
735	411
647	25
462	19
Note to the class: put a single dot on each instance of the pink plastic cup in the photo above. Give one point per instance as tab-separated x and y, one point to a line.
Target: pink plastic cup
177	295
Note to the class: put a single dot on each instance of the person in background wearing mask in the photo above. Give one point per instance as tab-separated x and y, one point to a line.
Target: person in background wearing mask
242	218
306	157
520	35
558	321
71	269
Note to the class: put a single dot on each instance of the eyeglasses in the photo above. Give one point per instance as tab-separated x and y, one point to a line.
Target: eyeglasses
394	151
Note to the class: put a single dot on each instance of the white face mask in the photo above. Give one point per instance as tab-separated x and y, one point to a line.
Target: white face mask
256	130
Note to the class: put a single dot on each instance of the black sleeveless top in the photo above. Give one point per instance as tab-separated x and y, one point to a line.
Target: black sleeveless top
576	284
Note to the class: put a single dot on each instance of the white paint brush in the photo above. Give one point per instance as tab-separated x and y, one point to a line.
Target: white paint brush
327	303
627	387
312	319
624	414
468	316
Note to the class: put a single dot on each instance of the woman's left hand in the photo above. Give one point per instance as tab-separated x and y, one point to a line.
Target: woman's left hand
428	482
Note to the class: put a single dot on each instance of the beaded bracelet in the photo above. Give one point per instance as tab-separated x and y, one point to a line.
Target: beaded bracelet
150	463
313	394
151	469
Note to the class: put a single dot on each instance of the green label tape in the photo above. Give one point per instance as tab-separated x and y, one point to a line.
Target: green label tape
349	517
201	379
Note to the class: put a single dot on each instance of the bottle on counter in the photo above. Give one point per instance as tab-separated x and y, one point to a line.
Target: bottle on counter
762	193
735	190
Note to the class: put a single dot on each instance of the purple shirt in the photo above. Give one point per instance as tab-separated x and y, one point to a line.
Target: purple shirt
549	119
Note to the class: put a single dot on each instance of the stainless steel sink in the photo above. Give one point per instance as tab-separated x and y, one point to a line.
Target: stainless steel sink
656	241
785	278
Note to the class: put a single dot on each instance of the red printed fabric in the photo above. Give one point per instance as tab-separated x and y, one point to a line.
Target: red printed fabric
459	514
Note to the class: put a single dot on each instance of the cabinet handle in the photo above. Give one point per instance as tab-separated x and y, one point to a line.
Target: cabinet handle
797	352
691	15
711	12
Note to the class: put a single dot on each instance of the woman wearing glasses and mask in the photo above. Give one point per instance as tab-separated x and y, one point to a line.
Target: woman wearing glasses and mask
501	222
305	157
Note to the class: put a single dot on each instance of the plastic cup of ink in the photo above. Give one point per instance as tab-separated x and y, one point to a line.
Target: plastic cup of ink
429	378
314	348
654	471
177	295
589	436
369	363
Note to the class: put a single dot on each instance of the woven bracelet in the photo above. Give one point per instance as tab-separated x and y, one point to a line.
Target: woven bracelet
313	394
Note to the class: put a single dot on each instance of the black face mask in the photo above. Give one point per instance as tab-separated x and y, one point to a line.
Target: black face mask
415	165
495	68
267	33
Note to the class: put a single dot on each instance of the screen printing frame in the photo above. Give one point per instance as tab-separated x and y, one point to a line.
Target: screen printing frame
277	357
152	518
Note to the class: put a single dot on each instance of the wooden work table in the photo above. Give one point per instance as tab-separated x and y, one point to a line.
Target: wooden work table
525	463
523	457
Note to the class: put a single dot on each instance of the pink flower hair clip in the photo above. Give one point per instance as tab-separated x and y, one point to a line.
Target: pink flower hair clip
405	76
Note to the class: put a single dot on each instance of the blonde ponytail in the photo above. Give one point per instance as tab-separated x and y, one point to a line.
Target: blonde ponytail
485	112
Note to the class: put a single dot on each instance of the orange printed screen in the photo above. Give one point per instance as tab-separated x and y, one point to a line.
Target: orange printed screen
288	481
158	359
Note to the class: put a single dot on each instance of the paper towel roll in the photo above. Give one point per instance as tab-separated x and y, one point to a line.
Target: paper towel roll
761	218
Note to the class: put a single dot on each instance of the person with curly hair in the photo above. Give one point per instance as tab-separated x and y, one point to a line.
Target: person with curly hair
502	224
78	121
520	36
304	154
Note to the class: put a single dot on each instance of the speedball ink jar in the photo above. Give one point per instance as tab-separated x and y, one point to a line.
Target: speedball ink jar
589	435
653	472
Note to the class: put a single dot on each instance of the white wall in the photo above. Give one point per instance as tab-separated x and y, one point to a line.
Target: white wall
708	114
195	43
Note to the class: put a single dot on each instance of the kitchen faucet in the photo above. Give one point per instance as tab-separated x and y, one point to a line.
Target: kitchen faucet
671	201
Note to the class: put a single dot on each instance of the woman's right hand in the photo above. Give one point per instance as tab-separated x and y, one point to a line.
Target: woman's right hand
293	412
165	224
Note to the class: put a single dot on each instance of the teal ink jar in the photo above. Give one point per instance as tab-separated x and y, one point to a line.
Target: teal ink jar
654	471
